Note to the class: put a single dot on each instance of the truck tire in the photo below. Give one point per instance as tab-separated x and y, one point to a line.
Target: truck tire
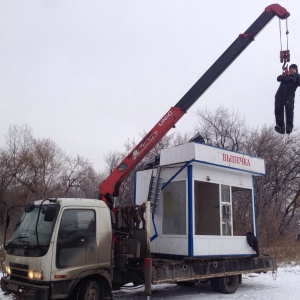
226	284
89	290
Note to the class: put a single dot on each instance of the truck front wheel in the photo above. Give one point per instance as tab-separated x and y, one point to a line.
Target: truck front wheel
89	290
226	284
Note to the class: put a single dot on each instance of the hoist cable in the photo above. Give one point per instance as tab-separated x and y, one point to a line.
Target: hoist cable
287	35
280	35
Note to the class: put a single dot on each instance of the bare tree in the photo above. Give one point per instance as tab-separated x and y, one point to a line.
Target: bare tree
112	159
79	178
19	142
37	168
46	163
278	201
222	128
6	178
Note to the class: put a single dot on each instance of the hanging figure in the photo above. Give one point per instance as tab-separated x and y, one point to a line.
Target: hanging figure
285	98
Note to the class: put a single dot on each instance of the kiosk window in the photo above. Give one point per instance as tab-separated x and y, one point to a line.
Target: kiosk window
174	208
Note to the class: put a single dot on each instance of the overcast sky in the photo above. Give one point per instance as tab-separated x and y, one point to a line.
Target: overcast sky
91	74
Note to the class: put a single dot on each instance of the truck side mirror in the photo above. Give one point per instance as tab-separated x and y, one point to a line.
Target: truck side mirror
29	207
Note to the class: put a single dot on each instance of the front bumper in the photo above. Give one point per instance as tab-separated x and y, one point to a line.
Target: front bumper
25	290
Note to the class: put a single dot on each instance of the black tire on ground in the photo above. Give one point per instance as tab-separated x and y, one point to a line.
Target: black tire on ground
90	290
226	284
186	283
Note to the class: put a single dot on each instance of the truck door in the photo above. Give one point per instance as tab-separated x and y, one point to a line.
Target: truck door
76	242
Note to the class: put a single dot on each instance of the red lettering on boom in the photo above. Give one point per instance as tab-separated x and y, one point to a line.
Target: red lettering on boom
165	118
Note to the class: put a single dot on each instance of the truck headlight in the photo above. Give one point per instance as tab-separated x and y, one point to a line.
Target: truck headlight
8	270
33	274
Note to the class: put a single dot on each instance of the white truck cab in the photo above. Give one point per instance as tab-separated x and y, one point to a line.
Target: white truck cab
56	243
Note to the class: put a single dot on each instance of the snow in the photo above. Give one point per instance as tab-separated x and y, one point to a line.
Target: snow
284	284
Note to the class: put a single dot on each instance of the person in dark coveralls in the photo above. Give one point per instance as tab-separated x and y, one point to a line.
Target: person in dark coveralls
285	98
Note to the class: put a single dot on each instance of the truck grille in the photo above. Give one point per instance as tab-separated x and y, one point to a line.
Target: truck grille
19	270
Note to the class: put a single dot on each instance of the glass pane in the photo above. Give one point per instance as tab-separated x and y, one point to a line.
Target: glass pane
174	208
225	193
207	208
226	220
226	213
32	223
76	238
226	229
242	210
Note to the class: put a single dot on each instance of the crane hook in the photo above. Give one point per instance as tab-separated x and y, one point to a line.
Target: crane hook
284	58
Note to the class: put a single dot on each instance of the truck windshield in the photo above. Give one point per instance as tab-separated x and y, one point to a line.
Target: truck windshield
34	228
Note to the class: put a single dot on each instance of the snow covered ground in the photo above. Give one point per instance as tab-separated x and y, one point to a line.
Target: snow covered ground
285	284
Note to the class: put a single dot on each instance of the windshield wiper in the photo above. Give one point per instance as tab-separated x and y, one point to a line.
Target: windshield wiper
17	238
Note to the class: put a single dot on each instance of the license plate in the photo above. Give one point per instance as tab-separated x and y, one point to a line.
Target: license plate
13	287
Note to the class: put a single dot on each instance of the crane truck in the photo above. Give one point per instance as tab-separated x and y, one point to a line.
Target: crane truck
185	224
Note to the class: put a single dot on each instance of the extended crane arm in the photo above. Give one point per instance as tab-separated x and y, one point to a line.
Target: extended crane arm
110	186
232	52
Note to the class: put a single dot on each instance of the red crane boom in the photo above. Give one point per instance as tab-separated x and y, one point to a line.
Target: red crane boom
110	186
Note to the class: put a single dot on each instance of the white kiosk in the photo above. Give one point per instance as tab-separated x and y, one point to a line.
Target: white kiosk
205	205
